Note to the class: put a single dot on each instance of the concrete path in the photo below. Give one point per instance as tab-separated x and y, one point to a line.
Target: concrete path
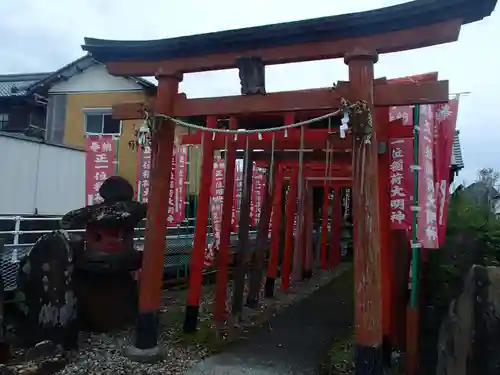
294	342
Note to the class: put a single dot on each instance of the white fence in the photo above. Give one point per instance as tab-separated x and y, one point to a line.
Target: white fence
16	247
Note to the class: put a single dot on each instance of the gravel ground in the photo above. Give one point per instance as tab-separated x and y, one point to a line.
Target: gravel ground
101	354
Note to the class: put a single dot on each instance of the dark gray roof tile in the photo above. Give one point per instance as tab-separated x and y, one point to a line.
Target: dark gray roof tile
18	84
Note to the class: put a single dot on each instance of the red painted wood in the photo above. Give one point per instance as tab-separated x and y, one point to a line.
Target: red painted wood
299	248
384	133
150	286
365	210
227	205
272	266
308	262
290	210
202	212
336	228
324	229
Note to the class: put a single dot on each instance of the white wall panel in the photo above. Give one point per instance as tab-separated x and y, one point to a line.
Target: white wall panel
37	178
94	79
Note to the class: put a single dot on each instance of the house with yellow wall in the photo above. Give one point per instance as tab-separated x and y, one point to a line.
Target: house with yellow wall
80	97
79	103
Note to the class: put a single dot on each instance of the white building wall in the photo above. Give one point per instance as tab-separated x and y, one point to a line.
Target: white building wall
94	79
38	178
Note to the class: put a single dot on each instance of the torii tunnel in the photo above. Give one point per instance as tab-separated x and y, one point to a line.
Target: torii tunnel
370	159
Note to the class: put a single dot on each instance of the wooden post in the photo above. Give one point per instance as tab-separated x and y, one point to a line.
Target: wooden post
244	227
199	243
336	227
290	211
274	255
154	247
324	227
368	357
259	253
308	234
298	248
225	235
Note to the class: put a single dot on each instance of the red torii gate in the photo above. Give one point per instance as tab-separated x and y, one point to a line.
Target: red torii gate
358	39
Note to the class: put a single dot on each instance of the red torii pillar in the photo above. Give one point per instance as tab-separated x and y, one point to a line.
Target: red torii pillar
368	353
276	219
150	285
199	243
290	211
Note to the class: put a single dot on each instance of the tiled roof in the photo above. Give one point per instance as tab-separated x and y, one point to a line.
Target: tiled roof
78	66
23	84
456	157
18	84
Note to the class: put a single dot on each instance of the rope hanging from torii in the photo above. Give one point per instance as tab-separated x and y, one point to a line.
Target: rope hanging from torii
356	117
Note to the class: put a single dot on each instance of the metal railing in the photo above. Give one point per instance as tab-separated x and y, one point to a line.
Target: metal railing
18	242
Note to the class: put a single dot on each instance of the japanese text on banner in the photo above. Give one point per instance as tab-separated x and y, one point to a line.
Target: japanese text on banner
217	192
217	195
171	213
427	216
400	183
100	163
180	186
176	198
258	187
446	120
143	173
238	185
405	113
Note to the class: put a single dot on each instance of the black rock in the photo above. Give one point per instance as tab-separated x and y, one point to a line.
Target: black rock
45	296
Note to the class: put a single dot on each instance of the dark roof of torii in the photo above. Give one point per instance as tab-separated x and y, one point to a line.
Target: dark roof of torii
418	13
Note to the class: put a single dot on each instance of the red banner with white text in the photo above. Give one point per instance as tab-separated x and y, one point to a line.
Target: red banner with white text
258	186
143	173
180	186
405	113
100	163
427	225
177	192
217	193
238	186
445	124
401	183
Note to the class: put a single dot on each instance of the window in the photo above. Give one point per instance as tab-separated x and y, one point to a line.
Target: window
4	120
101	122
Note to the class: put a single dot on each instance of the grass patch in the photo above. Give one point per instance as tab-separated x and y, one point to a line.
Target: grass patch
340	361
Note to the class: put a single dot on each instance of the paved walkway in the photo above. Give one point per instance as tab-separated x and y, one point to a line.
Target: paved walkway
294	342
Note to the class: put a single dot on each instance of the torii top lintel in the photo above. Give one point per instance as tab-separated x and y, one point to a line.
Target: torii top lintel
411	25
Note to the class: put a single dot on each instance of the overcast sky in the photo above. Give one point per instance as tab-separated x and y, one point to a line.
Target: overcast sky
40	36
